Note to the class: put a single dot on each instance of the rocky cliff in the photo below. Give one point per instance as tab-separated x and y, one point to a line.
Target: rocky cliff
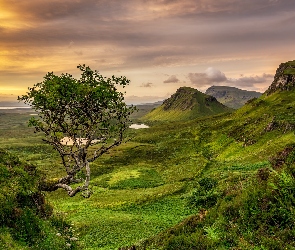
284	78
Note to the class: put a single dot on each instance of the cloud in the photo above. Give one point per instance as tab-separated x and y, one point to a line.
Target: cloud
143	99
210	77
214	76
147	85
138	36
71	44
172	79
250	81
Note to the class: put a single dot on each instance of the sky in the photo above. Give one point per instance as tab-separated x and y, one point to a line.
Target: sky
159	45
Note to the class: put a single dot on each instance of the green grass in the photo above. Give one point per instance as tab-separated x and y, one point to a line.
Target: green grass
159	114
112	227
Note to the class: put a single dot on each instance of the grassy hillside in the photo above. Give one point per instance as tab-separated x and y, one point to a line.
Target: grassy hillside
244	198
186	104
232	97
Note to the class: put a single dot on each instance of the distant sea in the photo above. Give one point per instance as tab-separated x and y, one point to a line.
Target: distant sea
15	107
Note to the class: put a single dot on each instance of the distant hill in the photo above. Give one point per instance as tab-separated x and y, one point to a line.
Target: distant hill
232	97
12	104
187	103
144	108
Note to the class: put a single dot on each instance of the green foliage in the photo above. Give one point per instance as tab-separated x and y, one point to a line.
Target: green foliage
86	113
25	217
87	106
18	184
289	71
205	196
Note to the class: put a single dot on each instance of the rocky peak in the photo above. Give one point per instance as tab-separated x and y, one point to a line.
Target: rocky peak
284	78
183	99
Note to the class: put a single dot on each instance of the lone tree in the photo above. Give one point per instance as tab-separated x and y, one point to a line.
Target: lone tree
82	119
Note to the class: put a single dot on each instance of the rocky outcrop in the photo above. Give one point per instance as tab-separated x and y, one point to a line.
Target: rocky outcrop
183	99
284	78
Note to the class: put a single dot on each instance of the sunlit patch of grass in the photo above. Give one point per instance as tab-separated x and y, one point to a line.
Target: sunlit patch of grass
123	175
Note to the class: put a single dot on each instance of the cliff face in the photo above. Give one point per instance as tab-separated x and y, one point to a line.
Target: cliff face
284	78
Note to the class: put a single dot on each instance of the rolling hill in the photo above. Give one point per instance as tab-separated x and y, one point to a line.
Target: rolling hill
186	104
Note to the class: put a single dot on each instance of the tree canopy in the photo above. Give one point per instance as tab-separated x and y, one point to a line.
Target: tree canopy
81	118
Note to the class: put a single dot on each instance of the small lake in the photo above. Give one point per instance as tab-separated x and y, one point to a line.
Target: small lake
138	126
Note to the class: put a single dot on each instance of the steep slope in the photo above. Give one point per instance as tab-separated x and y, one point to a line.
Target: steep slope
186	104
230	96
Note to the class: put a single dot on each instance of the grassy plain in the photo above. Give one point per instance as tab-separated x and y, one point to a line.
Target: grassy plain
184	172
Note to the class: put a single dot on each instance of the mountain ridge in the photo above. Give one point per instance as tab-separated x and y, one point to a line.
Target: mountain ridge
232	97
